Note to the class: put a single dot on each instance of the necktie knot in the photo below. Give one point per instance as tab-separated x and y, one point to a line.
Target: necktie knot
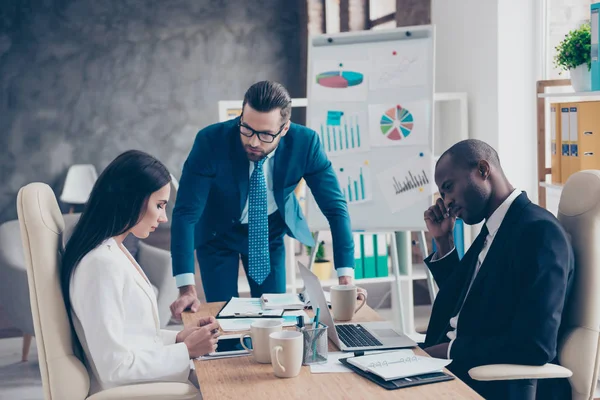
259	163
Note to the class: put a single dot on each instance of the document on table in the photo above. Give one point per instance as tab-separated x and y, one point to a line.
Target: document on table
332	365
243	324
246	307
398	364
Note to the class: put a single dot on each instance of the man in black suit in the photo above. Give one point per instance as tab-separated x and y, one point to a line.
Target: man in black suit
502	303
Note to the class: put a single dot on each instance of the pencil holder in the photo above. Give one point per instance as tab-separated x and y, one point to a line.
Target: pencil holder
315	345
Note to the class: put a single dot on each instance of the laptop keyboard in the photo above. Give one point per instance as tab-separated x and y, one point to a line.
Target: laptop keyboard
356	336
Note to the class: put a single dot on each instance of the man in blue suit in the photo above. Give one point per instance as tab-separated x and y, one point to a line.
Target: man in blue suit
236	199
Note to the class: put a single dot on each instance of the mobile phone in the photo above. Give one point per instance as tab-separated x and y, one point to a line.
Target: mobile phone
230	344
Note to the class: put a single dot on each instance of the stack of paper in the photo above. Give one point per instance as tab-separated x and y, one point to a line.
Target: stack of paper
398	364
281	301
241	308
243	324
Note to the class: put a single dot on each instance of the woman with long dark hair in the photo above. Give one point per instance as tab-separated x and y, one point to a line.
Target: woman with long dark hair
111	302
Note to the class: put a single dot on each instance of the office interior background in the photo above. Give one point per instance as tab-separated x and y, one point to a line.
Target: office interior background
82	81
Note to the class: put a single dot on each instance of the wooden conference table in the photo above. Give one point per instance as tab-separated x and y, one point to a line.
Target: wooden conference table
244	378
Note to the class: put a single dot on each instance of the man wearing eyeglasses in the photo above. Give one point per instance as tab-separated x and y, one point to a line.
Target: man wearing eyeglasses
236	199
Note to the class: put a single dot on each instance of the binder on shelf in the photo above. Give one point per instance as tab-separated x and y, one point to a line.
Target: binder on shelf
584	131
359	272
369	256
573	138
565	152
595	21
381	252
555	142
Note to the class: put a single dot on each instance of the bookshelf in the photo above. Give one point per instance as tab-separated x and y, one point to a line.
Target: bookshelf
543	99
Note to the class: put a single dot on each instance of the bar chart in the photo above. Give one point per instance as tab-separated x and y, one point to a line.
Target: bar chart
355	182
341	132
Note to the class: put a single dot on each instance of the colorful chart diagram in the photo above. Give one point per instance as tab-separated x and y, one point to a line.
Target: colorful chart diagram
396	123
355	182
340	132
339	79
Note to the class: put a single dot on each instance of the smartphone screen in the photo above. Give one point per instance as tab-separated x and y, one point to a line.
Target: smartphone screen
232	344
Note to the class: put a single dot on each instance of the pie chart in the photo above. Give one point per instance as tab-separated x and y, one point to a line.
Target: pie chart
396	123
339	79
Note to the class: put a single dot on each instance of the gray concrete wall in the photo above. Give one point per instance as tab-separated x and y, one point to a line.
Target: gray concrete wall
82	81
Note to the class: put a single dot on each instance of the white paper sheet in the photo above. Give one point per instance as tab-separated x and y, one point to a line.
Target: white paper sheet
246	307
398	65
243	324
333	364
399	124
407	183
340	80
399	364
342	128
355	180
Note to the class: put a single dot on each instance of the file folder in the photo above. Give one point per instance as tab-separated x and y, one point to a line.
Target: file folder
369	256
565	165
555	142
381	251
584	132
358	256
595	23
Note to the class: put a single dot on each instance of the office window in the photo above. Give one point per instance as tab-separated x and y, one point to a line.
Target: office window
562	16
380	8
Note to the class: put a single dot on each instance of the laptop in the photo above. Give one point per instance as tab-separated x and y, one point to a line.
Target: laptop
352	336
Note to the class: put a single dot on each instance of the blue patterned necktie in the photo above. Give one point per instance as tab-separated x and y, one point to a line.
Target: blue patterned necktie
259	264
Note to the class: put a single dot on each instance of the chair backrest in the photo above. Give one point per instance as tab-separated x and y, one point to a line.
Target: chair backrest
64	377
579	213
79	183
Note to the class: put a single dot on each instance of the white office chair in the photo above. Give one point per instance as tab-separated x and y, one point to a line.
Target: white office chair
578	351
78	184
64	376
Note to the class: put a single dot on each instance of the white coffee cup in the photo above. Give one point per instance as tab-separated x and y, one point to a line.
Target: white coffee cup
343	301
259	332
287	348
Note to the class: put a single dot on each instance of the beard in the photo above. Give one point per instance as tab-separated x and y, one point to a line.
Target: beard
254	156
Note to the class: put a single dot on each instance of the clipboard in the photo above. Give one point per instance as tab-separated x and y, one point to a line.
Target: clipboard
416	380
246	315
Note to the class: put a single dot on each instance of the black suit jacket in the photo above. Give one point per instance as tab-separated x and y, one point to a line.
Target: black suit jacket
512	313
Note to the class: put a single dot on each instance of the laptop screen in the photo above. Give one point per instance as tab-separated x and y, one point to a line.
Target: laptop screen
317	299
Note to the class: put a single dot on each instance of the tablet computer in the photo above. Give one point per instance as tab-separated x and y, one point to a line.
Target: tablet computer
230	345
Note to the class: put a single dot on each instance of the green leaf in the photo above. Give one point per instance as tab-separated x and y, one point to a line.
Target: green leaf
574	50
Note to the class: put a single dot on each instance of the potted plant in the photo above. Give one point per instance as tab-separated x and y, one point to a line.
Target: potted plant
573	55
322	266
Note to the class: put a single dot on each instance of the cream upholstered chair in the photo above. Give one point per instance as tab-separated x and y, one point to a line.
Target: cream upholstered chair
64	377
578	350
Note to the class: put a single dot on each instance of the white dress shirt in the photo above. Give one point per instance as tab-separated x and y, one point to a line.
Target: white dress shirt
493	224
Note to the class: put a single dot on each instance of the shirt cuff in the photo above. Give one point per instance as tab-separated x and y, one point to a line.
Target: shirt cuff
345	272
435	256
185	279
449	348
168	336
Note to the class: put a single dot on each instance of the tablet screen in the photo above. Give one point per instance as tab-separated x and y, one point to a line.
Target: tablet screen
225	345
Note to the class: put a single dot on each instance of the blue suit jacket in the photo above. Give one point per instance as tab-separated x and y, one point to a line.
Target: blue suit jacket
214	188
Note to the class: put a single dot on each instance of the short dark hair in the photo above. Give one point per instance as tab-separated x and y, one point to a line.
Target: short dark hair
469	152
116	204
265	96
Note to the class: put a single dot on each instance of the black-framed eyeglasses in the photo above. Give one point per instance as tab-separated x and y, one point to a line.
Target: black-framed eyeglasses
262	136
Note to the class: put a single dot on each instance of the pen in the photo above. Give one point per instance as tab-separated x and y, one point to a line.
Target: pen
315	326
